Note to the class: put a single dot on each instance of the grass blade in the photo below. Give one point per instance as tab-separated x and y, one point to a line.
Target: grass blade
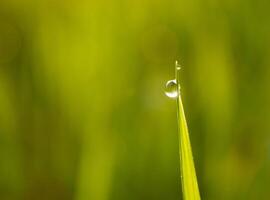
190	187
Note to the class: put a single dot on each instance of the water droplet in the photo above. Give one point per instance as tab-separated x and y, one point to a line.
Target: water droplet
171	89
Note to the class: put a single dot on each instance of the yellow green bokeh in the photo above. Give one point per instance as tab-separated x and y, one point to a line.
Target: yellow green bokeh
83	115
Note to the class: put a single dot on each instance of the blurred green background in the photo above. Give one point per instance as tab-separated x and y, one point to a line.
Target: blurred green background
83	115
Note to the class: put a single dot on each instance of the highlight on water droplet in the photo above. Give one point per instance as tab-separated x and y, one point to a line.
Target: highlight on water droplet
171	89
177	65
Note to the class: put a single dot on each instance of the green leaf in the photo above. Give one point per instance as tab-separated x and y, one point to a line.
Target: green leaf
190	187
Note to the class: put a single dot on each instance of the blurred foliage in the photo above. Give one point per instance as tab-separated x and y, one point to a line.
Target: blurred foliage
82	110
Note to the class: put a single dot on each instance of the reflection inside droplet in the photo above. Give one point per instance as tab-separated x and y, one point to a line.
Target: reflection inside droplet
171	89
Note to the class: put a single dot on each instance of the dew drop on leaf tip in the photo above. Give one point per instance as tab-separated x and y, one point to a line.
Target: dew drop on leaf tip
171	90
